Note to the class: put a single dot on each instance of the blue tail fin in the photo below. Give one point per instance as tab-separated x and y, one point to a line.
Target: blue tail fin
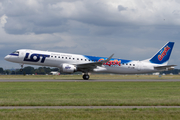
162	56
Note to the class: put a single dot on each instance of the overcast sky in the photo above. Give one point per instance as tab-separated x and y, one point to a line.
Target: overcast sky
132	29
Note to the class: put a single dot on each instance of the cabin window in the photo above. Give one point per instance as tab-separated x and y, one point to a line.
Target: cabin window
77	58
62	57
59	57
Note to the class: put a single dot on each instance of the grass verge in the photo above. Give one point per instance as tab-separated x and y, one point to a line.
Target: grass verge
89	94
90	114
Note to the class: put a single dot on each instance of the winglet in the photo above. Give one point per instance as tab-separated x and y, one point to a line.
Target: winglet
107	59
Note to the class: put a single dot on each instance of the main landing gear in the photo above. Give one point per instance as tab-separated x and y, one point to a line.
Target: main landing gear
21	67
86	76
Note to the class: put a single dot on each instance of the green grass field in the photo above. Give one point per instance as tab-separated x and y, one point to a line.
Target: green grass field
89	93
90	114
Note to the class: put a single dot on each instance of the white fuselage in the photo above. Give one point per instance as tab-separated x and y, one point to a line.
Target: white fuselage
55	59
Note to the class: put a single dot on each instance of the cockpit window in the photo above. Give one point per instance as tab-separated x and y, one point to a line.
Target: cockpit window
15	53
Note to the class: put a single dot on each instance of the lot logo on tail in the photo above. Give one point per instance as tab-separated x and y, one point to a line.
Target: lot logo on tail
164	53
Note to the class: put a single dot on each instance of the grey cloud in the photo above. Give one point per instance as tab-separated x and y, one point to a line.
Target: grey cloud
176	12
37	27
26	19
88	27
53	17
121	8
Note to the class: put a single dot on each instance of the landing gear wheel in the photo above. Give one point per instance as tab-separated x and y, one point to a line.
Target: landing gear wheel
86	77
21	68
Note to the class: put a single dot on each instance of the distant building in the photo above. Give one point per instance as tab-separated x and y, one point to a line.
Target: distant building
157	73
55	73
163	74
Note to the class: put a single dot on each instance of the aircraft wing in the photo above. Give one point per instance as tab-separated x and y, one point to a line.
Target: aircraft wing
86	67
166	67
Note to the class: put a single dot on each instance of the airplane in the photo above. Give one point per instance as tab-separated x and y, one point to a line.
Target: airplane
70	63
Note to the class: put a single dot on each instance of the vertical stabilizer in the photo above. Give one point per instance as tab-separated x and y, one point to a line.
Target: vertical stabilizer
162	56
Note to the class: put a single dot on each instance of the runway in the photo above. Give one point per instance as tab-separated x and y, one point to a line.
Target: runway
84	107
80	80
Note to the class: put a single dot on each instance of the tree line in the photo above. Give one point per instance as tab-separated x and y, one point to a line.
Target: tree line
28	70
47	70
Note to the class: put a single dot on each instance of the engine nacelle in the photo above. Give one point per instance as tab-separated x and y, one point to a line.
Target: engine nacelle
67	68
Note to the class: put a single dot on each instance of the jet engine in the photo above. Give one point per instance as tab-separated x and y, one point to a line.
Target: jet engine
67	68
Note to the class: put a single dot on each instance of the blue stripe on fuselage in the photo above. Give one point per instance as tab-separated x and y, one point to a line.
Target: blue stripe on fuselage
94	58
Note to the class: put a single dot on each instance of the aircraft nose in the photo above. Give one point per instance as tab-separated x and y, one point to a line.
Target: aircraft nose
7	57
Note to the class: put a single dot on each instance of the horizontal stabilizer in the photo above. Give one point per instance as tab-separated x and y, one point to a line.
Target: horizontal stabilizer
166	67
